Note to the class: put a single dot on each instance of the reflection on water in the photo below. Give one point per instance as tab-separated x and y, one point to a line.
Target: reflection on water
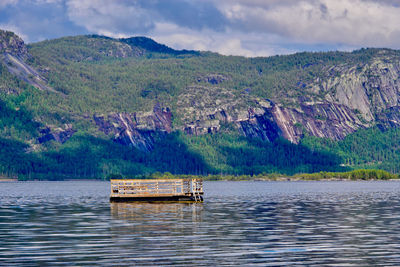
240	223
143	211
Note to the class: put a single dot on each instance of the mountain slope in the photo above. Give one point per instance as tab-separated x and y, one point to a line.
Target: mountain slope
327	94
187	111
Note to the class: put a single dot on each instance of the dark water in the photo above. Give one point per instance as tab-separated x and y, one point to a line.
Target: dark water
240	223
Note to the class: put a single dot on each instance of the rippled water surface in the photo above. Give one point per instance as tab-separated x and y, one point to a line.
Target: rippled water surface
240	223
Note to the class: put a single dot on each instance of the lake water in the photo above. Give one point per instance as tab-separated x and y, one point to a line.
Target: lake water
240	223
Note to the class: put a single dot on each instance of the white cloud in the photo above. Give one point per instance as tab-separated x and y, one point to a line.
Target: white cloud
227	43
355	22
116	17
4	3
41	2
238	27
233	46
339	23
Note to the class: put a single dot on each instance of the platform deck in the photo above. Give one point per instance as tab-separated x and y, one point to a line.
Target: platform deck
156	190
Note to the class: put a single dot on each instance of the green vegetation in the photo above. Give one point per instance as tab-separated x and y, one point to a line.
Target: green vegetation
85	156
98	75
235	154
361	174
217	155
97	72
366	148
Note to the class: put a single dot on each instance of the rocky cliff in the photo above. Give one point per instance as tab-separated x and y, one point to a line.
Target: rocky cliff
359	97
355	97
262	118
140	130
13	54
58	134
204	113
12	44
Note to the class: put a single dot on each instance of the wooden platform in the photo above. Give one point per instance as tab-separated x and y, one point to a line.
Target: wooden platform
123	190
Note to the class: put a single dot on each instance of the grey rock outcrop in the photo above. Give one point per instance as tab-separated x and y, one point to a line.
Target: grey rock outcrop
262	118
369	89
360	96
60	135
140	130
13	54
12	44
17	66
347	98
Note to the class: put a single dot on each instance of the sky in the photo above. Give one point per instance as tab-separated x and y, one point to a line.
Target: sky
230	27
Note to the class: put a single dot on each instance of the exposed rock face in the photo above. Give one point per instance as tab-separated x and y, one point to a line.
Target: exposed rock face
203	109
260	125
390	118
106	47
12	44
361	96
13	53
121	50
19	68
327	120
263	118
369	89
60	135
140	130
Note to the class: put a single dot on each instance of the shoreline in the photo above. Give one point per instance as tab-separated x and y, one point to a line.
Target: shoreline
280	179
300	180
354	175
8	180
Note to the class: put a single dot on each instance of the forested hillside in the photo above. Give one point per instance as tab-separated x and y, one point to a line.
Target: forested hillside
91	106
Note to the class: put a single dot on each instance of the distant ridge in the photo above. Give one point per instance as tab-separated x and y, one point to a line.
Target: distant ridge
152	46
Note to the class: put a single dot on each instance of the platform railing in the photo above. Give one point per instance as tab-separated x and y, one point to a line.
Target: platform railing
196	185
155	187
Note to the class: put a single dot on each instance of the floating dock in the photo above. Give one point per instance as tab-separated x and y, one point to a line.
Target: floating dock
123	190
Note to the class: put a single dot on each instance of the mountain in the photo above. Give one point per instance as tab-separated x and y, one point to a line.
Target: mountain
151	46
90	106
